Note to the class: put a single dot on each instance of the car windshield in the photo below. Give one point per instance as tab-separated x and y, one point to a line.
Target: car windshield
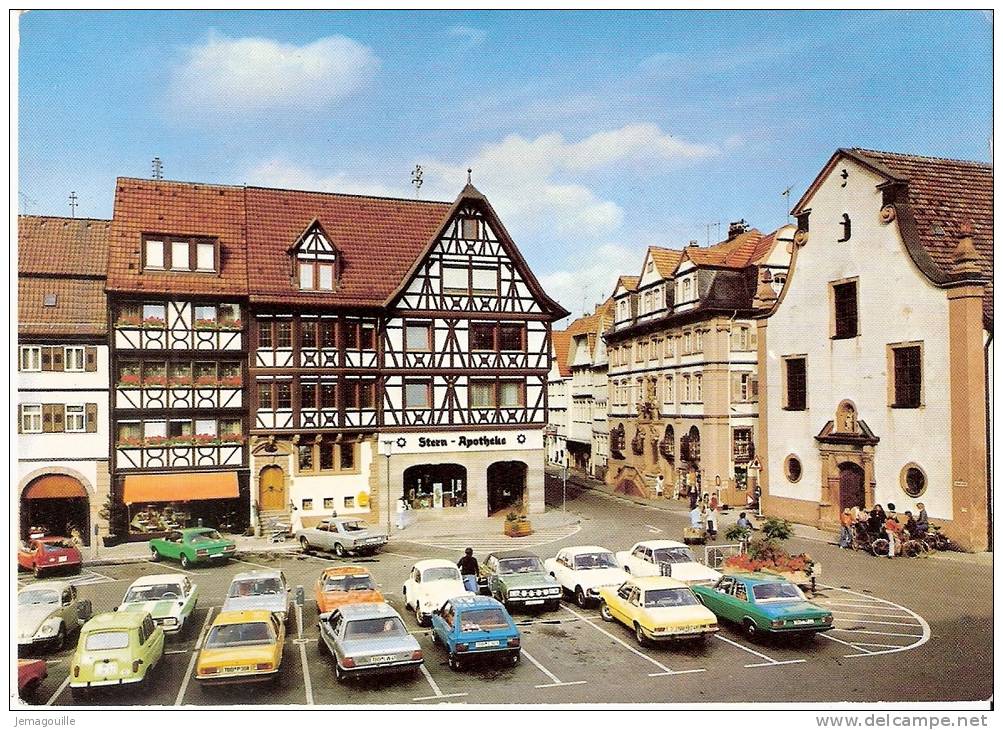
443	573
483	619
349	583
669	598
594	561
355	526
156	592
55	546
529	564
250	634
777	592
254	587
35	598
375	628
674	555
106	640
209	536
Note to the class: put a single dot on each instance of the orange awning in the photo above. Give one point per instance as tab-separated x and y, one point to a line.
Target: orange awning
55	486
184	487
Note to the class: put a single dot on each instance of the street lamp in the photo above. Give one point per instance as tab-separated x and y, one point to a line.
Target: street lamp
564	473
389	446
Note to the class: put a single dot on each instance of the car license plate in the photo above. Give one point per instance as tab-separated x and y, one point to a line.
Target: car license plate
233	670
106	669
62	558
486	644
382	659
534	602
803	621
218	555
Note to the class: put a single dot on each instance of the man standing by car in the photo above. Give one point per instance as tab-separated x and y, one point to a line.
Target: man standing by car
469	570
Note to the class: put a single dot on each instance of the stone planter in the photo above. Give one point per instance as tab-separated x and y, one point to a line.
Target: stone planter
518	528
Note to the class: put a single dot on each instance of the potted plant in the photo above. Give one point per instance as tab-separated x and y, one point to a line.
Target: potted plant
517	525
130	380
128	320
766	555
205	324
153	323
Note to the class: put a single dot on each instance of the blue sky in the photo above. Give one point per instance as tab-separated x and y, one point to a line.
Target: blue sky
594	134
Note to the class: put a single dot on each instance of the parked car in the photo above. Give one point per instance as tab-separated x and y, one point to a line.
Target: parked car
242	646
764	605
367	638
193	545
475	626
666	557
518	578
584	569
48	613
30	675
115	649
343	535
345	584
43	555
657	609
429	585
265	589
169	599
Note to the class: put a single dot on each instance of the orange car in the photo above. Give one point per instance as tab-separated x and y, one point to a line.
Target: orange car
343	585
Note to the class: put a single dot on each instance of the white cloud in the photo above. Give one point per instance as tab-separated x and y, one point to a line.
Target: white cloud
581	288
239	75
469	36
279	173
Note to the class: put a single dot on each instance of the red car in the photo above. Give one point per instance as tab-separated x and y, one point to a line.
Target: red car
47	554
30	675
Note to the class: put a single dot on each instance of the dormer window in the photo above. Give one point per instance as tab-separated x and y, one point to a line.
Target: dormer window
171	253
316	261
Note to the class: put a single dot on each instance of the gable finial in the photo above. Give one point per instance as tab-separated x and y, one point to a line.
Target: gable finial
469	171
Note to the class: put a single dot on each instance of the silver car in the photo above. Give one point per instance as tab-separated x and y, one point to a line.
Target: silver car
259	590
368	638
343	535
48	613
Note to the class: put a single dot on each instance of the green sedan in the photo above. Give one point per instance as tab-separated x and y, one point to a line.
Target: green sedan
763	604
193	545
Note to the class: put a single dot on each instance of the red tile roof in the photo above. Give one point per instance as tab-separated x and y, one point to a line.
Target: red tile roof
562	344
80	306
627	282
734	253
666	259
55	245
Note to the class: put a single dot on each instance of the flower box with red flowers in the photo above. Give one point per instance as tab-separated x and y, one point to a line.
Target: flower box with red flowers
127	442
155	441
207	381
182	381
153	323
205	324
205	439
232	381
129	381
231	438
230	324
128	320
155	381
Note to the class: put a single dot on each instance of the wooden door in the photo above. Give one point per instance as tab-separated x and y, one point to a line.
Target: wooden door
851	486
272	489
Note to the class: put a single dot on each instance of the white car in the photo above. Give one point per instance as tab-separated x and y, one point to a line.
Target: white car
666	557
169	599
584	569
257	590
429	585
48	612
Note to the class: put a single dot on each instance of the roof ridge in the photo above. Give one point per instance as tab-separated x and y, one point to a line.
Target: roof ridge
907	156
63	217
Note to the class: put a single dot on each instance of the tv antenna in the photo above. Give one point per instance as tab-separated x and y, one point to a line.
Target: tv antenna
417	175
787	205
73	204
158	169
709	225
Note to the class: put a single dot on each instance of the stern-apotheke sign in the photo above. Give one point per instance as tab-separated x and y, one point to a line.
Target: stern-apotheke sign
446	441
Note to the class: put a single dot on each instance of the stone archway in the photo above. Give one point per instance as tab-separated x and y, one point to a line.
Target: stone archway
846	449
57	503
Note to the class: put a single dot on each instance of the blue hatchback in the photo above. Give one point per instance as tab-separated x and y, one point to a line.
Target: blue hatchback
471	626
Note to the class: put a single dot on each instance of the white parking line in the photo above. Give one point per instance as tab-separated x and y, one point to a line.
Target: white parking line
882	633
59	691
435	688
885	646
869	606
306	671
847	643
770	661
162	564
400	555
922	639
554	681
256	565
195	654
665	670
881	623
878	615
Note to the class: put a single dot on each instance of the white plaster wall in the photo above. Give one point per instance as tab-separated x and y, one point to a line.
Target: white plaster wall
338	486
896	303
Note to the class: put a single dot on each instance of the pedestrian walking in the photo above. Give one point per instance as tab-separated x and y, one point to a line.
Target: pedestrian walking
469	570
846	529
659	486
694	497
744	522
712	513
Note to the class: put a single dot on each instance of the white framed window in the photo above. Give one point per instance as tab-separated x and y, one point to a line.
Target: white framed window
418	337
698	340
31	418
31	358
417	395
154	428
180	260
306	275
73	359
454	277
154	254
698	388
484	280
510	394
687	393
75	419
325	276
205	256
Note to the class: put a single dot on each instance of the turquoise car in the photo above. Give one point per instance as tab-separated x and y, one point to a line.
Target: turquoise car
193	545
764	605
475	626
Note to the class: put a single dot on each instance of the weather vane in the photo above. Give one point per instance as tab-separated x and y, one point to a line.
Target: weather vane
416	179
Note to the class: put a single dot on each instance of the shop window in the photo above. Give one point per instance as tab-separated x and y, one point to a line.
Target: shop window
328	503
913	480
307	504
792	468
435	486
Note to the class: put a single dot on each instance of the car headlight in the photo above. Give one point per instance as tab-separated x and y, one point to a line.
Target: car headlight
46	630
169	621
555	591
515	593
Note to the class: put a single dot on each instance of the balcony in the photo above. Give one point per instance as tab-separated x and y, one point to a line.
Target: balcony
151	334
164	453
225	393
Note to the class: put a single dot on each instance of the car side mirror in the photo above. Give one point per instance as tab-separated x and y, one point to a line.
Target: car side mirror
115	609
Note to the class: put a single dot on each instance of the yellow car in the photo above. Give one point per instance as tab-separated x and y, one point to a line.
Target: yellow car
657	609
242	646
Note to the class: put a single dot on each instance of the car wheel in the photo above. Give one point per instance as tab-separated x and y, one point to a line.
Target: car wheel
642	640
580	598
339	549
60	641
304	545
36	571
185	562
604	612
454	662
154	555
750	629
340	674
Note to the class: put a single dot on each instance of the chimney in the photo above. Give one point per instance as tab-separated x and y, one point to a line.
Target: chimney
765	296
966	258
694	244
737	228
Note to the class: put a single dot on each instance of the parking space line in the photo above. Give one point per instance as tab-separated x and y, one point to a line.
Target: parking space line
770	661
555	682
847	643
59	691
256	565
435	688
665	670
306	671
195	654
878	615
881	633
162	564
880	623
884	646
401	555
869	606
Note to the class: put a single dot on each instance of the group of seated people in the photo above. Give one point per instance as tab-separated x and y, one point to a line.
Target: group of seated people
869	525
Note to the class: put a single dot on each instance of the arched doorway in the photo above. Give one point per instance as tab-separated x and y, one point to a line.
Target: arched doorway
851	486
272	490
434	486
58	503
506	486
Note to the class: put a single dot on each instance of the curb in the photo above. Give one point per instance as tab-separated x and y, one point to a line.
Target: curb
145	559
